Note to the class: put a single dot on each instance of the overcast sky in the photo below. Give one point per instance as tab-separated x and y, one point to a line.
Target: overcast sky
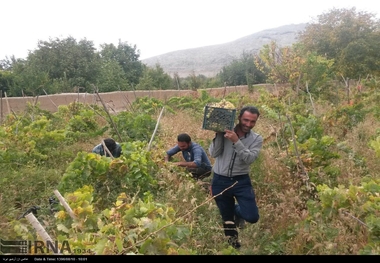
155	26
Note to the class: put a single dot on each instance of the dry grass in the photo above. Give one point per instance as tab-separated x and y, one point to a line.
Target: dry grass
282	228
279	192
182	122
278	208
359	139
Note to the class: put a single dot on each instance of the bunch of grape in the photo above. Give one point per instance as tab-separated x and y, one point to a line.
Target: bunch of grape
225	104
219	120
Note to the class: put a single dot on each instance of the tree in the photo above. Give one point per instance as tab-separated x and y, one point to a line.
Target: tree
6	64
66	60
111	77
127	57
272	59
296	66
283	65
7	76
28	80
6	81
350	38
154	78
194	81
61	65
242	71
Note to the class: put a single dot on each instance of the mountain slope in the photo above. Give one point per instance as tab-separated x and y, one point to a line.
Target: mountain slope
209	60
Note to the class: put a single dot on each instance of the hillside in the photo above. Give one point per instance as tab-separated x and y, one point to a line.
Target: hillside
209	60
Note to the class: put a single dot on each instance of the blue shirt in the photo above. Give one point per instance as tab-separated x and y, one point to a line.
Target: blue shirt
98	149
195	153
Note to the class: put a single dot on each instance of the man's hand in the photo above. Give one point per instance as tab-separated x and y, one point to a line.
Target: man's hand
186	164
231	135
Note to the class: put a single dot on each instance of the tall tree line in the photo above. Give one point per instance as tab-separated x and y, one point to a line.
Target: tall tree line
339	44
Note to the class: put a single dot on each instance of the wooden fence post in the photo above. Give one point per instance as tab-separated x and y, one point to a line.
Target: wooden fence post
40	230
155	129
65	205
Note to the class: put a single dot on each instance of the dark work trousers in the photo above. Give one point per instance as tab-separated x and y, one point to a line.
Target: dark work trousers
242	191
200	172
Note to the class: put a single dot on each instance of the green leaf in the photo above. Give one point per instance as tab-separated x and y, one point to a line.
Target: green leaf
62	228
100	245
119	244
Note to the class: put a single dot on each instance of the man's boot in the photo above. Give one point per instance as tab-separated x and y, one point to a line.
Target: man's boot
232	234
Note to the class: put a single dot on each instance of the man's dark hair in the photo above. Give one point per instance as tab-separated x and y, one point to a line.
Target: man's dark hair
184	137
251	109
110	143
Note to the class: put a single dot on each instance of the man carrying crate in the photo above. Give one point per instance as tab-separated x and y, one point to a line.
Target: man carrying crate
234	151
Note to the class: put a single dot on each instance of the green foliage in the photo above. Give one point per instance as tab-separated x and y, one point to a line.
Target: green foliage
127	57
277	62
361	201
183	103
316	150
342	205
307	127
341	42
83	125
128	227
302	69
341	218
375	144
376	110
189	102
79	122
28	80
195	82
111	77
317	156
148	105
6	81
133	126
333	199
86	169
348	116
62	65
66	60
154	78
26	141
131	172
26	186
358	160
348	37
241	71
212	82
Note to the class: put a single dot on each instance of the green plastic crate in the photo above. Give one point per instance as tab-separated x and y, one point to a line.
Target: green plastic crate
218	119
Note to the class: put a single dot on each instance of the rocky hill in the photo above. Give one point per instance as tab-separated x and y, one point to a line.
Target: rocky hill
209	60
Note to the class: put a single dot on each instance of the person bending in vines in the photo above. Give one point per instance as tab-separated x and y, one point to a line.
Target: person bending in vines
196	159
113	147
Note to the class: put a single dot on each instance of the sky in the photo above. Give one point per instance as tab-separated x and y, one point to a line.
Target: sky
155	27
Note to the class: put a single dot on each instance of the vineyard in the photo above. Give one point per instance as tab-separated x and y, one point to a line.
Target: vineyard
317	178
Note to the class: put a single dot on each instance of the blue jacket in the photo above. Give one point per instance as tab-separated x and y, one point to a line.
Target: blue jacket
195	153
